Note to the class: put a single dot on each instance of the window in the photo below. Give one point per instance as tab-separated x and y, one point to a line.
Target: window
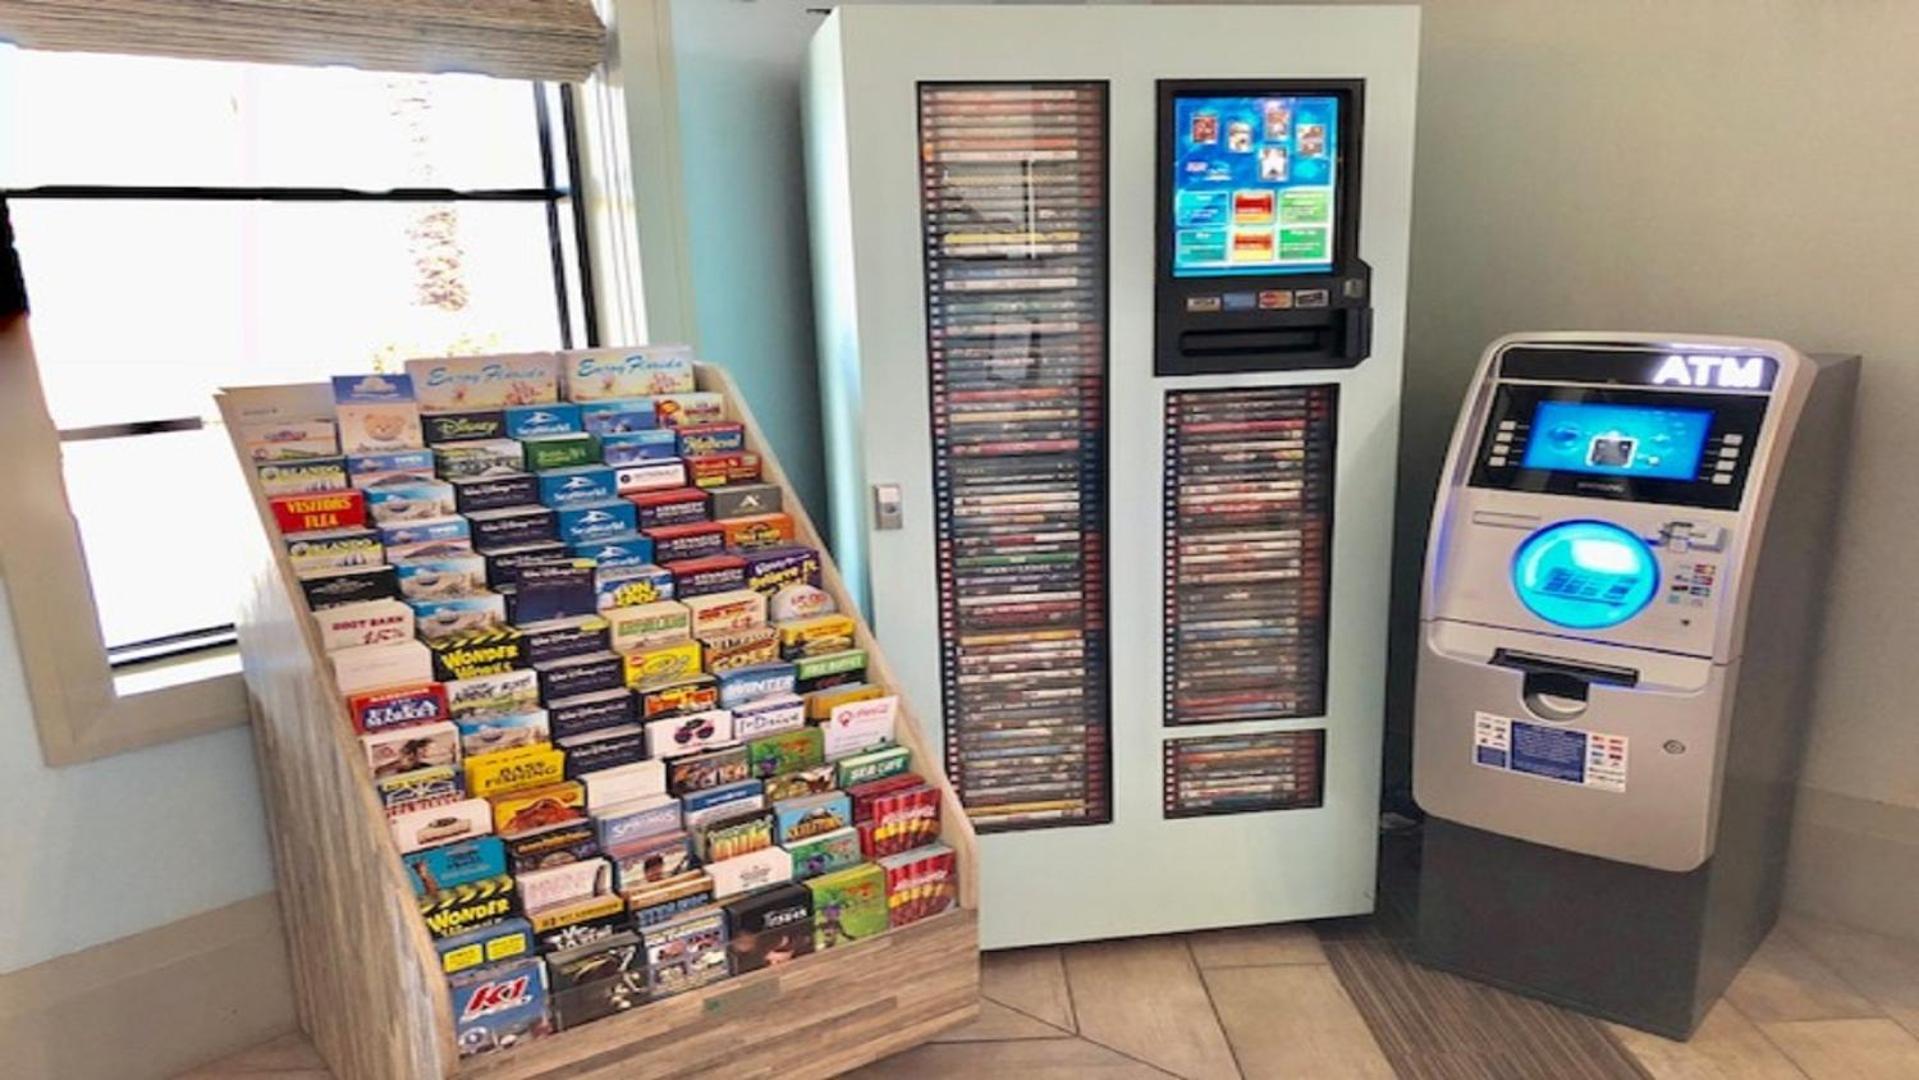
185	225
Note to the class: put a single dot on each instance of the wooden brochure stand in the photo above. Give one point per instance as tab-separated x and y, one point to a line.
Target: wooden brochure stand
367	978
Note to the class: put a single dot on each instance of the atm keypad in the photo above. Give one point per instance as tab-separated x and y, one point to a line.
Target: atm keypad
1584	585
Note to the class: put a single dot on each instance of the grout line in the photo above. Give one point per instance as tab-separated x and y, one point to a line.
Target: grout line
1379	1029
218	1070
1066	980
1074	1006
1127	1056
1812	954
1837	964
1625	1052
1186	944
249	1073
1022	1012
1321	962
1023	1042
1767	1036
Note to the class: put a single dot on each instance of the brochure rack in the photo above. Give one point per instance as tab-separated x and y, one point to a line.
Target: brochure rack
367	983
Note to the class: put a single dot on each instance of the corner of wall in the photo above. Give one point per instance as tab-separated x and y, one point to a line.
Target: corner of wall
154	1003
1855	861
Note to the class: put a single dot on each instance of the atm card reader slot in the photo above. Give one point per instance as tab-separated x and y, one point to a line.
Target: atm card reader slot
1555	689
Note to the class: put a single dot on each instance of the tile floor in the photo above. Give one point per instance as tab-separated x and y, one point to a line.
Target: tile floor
1340	999
1818	1002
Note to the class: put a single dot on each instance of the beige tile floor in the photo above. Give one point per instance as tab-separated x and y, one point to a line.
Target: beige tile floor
1818	1002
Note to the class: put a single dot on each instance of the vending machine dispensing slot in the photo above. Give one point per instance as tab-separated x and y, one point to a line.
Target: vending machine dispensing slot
1258	233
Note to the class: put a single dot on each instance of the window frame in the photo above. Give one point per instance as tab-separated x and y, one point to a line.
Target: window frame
80	700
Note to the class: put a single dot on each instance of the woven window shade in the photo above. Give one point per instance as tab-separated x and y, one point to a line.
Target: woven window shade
558	40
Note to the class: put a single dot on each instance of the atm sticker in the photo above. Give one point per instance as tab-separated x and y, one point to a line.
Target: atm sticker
1587	758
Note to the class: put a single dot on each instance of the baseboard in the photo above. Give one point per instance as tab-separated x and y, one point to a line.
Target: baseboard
152	1004
1854	861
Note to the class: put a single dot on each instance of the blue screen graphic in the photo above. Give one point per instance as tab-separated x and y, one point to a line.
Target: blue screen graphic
1254	185
1585	575
1617	440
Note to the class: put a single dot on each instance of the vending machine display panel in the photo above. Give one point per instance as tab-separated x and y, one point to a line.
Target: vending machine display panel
1254	186
1258	227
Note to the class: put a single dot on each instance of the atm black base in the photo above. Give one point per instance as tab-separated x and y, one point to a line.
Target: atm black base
1646	948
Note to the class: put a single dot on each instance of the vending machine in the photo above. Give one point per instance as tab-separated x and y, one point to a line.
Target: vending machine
1110	307
1622	604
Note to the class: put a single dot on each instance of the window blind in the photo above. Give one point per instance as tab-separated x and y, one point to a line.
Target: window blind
557	40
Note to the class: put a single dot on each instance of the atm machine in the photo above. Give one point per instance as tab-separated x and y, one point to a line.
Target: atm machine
1621	607
1110	306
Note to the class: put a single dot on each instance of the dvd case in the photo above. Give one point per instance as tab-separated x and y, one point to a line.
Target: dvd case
1013	195
1248	519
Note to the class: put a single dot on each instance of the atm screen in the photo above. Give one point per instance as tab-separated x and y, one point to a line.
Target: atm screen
1617	440
1620	442
1254	182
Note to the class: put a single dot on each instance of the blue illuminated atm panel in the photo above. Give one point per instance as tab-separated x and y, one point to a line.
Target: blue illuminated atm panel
1648	474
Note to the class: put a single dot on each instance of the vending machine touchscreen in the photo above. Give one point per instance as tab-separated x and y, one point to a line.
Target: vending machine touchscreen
1259	227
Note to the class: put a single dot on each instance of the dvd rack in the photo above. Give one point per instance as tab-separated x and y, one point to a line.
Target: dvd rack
1243	774
367	980
1248	521
1013	195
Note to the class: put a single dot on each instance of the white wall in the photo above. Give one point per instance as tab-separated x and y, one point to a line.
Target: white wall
736	71
94	852
736	84
1716	167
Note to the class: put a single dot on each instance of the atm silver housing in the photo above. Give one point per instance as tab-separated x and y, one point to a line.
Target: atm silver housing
1636	904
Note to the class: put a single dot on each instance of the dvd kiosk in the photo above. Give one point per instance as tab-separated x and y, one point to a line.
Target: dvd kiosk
1622	598
1111	400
